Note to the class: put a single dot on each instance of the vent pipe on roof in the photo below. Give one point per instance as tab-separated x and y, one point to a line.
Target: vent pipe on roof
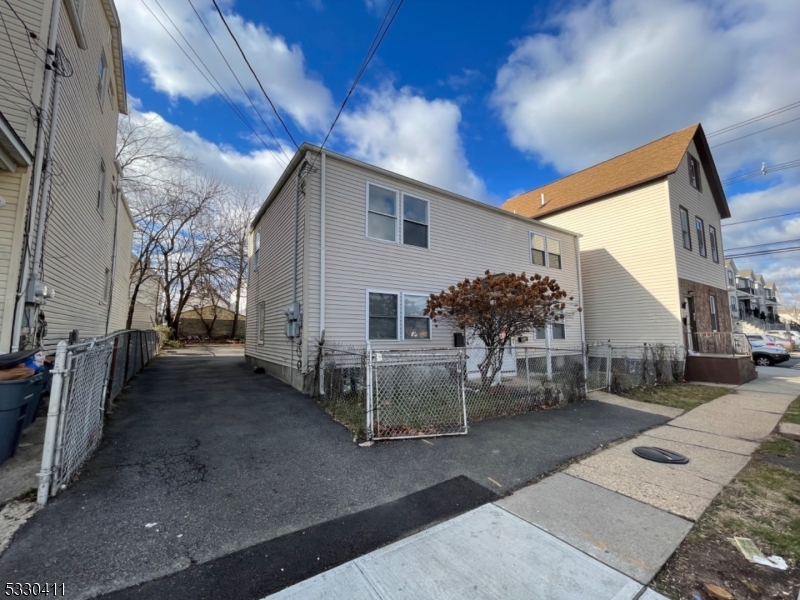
542	199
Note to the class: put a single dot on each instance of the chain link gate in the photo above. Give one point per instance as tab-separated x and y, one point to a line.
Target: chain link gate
85	376
413	394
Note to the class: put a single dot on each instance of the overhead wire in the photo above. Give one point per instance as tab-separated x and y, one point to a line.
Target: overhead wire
762	219
754	119
222	93
765	244
16	58
236	77
380	34
260	85
756	132
792	164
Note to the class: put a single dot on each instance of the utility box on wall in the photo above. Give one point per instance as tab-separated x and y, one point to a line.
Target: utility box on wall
294	319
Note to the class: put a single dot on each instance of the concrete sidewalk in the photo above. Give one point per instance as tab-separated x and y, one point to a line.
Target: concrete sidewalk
601	529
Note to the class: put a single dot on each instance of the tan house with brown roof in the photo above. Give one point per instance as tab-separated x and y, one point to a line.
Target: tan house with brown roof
651	249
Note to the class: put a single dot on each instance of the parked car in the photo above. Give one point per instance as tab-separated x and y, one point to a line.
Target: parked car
770	340
792	336
766	353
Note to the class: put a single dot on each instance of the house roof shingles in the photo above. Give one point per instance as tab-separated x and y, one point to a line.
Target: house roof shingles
646	163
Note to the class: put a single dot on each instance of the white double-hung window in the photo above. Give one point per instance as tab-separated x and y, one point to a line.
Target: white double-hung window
381	213
399	218
545	251
397	316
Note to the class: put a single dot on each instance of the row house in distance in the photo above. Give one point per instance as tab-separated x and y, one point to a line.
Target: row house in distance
750	296
65	231
347	251
651	251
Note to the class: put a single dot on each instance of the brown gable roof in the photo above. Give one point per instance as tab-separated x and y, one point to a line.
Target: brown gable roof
646	163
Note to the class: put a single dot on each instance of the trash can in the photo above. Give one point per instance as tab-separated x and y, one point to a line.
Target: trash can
34	396
15	398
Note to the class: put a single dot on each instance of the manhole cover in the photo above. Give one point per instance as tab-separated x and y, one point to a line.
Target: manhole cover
660	455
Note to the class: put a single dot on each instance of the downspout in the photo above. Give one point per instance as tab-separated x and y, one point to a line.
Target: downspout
322	249
49	76
580	287
113	273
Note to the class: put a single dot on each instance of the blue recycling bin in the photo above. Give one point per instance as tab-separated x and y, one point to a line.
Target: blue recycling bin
18	400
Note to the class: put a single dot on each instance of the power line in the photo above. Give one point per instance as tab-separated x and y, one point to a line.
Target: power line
762	218
222	93
764	244
756	132
255	108
16	58
764	252
244	56
754	119
763	171
380	34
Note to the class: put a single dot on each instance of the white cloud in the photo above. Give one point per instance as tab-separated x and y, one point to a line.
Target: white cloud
280	66
258	169
618	73
406	133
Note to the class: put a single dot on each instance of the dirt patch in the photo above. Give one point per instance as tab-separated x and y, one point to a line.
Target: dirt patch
762	503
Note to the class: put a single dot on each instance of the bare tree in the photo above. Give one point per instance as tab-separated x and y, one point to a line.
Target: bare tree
237	212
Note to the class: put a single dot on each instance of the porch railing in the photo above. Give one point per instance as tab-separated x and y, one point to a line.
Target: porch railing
720	342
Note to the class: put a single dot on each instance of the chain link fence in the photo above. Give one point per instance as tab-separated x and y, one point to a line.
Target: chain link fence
620	368
85	376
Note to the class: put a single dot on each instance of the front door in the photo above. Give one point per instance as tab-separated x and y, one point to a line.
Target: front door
689	323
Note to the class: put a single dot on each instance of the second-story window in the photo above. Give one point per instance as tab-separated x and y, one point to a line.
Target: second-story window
545	251
712	240
102	69
101	187
381	213
701	236
730	278
694	173
685	231
256	248
415	221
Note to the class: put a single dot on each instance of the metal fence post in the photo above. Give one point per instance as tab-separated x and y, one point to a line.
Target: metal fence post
370	428
462	360
608	366
585	349
549	352
46	473
527	373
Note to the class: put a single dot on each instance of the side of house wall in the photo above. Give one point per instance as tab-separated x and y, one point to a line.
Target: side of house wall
630	285
270	285
698	203
120	300
465	240
79	235
14	187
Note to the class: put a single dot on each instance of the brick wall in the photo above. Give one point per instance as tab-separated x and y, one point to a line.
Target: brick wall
702	316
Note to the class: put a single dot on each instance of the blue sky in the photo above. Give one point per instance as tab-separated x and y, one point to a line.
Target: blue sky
487	99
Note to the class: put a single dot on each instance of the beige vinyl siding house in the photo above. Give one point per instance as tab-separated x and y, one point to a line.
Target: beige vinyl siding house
641	277
623	267
86	216
339	268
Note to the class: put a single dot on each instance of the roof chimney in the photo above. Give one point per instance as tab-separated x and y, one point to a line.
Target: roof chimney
542	198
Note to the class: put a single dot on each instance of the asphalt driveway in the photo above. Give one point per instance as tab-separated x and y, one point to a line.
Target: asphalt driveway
204	460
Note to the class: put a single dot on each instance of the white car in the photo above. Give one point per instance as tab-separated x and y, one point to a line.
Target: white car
793	336
769	340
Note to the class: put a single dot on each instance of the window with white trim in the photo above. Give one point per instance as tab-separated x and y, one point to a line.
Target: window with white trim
415	221
539	333
545	251
559	331
701	236
714	317
256	248
382	315
712	240
102	70
262	308
415	324
733	304
730	277
694	173
381	213
101	187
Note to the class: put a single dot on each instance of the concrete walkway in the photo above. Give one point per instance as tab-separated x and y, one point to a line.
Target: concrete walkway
601	529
